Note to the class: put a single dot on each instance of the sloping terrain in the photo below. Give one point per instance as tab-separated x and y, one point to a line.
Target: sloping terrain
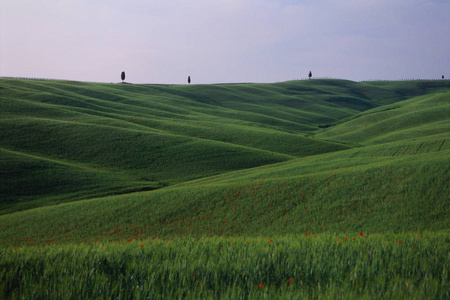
422	116
375	189
63	141
308	189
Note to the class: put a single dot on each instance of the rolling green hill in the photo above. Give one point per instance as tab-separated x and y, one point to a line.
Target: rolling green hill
63	141
303	189
413	118
97	139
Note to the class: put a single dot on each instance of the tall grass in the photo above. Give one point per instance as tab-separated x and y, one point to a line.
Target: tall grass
405	266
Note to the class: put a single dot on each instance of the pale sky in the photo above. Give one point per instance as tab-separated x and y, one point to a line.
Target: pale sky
224	41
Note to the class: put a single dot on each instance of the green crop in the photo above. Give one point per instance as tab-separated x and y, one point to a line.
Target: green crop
326	189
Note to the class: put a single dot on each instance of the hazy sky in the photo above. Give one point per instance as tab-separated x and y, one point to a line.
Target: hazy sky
223	41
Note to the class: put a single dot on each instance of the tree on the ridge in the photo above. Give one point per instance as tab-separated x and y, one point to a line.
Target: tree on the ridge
442	76
189	79
310	75
122	76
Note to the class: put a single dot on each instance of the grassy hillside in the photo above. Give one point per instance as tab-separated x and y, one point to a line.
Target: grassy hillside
64	141
353	189
416	117
305	189
392	176
90	139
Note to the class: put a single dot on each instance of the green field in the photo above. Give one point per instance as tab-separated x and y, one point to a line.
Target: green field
314	189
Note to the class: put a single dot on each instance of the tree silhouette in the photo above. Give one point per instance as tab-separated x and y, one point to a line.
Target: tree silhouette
122	76
442	76
189	79
310	75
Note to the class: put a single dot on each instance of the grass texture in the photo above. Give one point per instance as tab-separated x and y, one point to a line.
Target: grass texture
406	266
305	189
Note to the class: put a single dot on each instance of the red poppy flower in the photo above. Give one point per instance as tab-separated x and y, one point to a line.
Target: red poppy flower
261	285
290	280
360	233
399	241
270	240
142	246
